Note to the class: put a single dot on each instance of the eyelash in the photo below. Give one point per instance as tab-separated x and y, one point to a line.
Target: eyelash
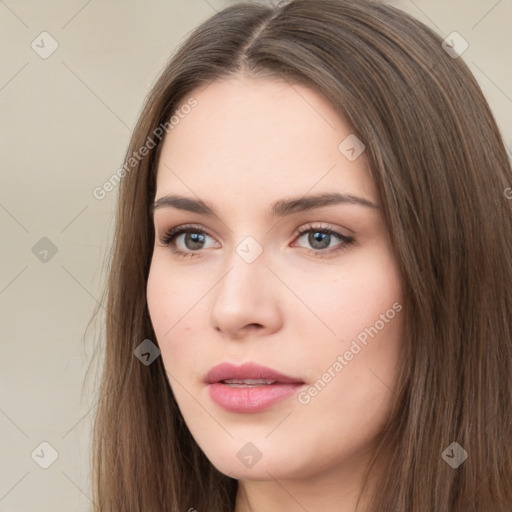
170	235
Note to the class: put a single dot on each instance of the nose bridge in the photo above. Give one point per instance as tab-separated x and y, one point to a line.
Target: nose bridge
246	270
243	295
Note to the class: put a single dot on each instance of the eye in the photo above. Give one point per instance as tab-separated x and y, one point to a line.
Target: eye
320	238
194	240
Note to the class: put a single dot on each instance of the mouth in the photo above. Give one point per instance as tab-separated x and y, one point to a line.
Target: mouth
250	374
247	383
249	387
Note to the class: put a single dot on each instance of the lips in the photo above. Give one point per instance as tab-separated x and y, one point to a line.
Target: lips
249	388
248	372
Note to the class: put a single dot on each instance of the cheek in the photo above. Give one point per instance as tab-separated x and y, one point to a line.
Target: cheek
169	295
163	305
376	287
355	298
365	310
174	309
159	302
352	383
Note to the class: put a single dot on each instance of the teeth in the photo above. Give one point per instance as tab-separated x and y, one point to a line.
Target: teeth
248	382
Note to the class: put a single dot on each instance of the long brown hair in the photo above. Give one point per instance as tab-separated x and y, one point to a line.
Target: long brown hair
441	170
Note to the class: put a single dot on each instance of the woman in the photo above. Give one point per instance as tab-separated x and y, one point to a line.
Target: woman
310	294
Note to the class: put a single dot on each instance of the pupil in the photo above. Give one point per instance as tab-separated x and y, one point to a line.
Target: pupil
319	237
197	238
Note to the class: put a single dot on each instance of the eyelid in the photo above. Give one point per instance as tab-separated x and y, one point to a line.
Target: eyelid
320	227
180	229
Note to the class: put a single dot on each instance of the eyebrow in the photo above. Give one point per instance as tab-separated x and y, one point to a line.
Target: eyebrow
281	208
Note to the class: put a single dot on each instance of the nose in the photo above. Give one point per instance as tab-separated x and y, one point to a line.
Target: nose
246	300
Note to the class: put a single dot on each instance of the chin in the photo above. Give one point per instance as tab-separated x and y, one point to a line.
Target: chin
240	466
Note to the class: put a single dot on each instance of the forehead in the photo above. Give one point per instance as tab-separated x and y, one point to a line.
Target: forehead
261	138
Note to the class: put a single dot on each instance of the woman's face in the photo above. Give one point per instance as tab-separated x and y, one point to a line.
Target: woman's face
320	311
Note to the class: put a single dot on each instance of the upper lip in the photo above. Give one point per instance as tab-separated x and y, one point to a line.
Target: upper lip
225	371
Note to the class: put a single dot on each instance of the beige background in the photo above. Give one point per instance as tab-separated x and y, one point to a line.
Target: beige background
65	123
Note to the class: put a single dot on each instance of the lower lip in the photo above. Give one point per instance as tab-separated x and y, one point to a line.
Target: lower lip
250	398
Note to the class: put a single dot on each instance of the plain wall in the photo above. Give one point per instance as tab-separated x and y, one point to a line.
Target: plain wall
65	124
